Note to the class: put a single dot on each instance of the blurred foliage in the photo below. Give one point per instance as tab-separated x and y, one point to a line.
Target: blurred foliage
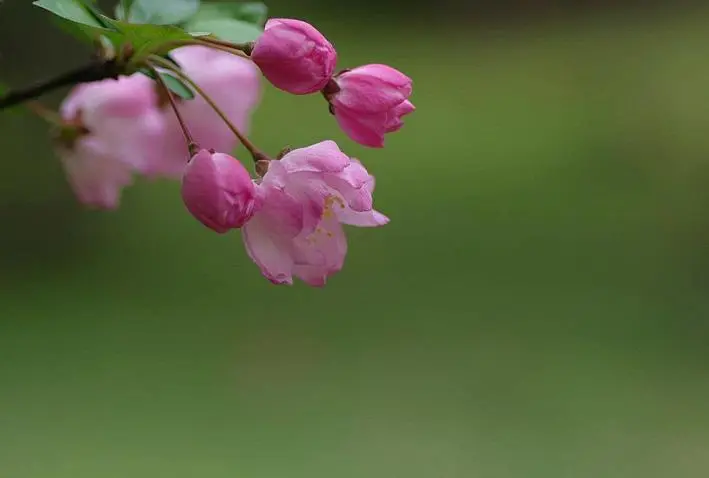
537	307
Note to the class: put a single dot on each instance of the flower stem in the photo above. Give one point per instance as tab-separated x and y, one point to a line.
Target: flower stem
84	74
224	47
255	152
191	145
243	48
43	112
233	48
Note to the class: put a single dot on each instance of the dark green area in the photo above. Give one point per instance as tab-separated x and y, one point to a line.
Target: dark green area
536	308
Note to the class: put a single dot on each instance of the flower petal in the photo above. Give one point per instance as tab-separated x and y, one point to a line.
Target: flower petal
394	117
270	252
325	248
372	89
322	157
366	130
95	176
362	219
352	184
314	276
126	97
268	236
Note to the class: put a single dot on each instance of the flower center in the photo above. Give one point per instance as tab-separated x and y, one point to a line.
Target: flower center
320	232
330	203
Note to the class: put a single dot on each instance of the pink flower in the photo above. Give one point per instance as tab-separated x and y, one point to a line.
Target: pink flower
369	101
95	175
232	82
302	203
294	56
114	129
218	191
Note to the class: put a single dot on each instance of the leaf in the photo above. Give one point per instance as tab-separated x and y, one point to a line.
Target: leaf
250	12
79	18
162	12
234	22
149	39
81	32
174	84
85	33
228	29
73	10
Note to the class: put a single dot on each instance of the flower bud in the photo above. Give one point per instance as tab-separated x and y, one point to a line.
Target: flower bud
218	191
370	101
294	56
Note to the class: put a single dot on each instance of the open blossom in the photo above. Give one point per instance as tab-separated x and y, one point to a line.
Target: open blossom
370	101
302	203
114	130
294	56
94	173
234	85
218	191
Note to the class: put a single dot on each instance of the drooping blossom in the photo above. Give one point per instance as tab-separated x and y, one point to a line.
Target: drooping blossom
218	191
94	173
370	101
234	85
302	203
294	56
111	130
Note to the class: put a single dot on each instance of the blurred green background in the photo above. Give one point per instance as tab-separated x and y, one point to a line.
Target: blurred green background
536	308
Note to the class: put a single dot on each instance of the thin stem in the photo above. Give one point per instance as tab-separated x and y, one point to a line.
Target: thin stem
43	112
224	47
84	74
255	152
232	48
244	48
191	145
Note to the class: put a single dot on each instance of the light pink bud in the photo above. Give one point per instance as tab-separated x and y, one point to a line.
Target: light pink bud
294	56
218	191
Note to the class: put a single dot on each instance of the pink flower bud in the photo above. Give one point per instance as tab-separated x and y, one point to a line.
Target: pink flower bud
294	56
369	101
218	191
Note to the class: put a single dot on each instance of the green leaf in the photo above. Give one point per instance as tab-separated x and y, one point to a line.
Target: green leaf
162	12
79	19
250	12
174	84
149	39
228	29
85	33
3	89
73	10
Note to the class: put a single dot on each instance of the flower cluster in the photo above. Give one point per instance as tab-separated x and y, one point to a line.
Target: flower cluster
115	128
291	214
367	101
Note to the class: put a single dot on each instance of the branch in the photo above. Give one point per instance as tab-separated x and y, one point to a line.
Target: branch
84	74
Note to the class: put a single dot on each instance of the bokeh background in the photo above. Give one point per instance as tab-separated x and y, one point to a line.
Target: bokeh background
538	306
